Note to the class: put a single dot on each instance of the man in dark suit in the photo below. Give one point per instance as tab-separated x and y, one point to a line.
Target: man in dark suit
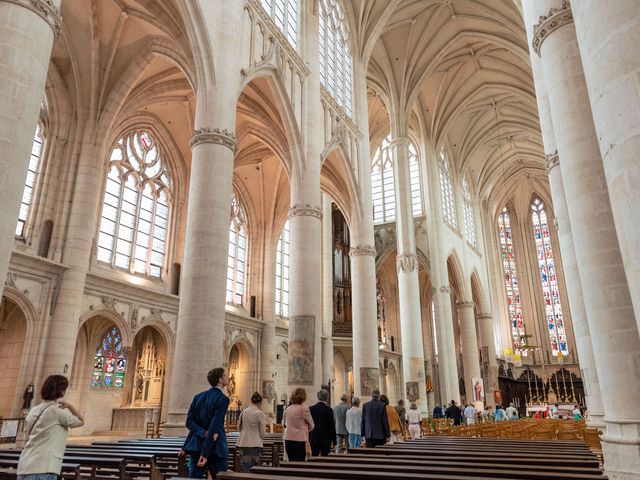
375	423
454	413
206	442
324	433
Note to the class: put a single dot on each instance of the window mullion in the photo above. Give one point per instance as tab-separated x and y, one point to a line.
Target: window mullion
116	232
134	238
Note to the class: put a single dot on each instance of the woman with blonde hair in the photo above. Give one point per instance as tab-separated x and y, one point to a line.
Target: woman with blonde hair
414	418
298	422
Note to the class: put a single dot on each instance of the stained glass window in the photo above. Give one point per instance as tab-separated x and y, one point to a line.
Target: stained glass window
110	361
383	184
30	183
285	15
282	273
335	57
467	207
414	178
237	257
136	206
548	279
512	287
446	190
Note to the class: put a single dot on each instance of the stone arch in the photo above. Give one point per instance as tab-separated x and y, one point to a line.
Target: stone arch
338	181
456	274
242	374
477	293
340	381
392	379
147	372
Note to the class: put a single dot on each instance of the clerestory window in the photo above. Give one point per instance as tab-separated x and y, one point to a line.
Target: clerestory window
30	182
447	196
237	257
282	273
285	14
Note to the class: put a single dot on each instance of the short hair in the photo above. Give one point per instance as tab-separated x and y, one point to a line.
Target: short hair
413	406
54	387
453	402
256	398
298	396
355	401
375	393
401	402
384	399
323	395
344	397
214	376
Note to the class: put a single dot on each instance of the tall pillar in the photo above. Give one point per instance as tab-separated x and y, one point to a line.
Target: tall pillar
612	324
470	354
327	295
408	286
565	240
27	31
447	362
485	331
608	37
201	315
268	339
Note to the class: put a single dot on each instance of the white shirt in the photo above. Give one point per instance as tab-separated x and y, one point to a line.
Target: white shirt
413	416
470	412
354	420
45	446
512	413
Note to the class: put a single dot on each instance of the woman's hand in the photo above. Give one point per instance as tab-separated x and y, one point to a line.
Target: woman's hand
64	404
215	437
202	461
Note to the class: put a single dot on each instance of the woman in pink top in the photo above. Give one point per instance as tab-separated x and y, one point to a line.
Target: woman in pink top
298	422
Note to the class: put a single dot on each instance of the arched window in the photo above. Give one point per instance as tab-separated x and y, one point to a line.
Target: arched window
109	362
446	190
30	183
282	273
467	208
414	176
511	281
136	206
237	258
548	279
382	183
335	57
285	15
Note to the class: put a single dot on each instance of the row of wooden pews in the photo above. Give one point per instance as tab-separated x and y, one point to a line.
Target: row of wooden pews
445	458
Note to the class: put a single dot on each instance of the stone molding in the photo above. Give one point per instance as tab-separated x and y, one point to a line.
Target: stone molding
214	135
401	141
484	316
407	262
556	18
45	9
445	289
552	160
555	223
464	304
362	250
305	210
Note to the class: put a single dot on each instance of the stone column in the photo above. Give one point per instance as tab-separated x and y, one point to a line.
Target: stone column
27	31
485	331
408	287
565	240
268	339
447	363
612	324
608	37
470	355
327	295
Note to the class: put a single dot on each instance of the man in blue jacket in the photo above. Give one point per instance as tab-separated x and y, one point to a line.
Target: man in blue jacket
206	442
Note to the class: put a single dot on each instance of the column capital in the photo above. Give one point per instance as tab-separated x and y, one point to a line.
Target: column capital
214	135
45	9
445	289
401	141
464	304
484	315
305	210
552	160
556	18
407	262
362	250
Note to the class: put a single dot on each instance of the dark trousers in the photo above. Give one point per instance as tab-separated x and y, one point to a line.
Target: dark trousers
321	449
214	465
373	442
296	451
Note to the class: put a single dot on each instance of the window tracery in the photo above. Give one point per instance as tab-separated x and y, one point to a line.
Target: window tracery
285	14
512	286
467	207
335	56
548	279
447	196
383	183
109	361
237	257
282	273
30	182
136	206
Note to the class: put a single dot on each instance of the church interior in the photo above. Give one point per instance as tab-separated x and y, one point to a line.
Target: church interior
433	198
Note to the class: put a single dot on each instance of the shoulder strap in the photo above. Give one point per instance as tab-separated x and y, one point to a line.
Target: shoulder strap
36	420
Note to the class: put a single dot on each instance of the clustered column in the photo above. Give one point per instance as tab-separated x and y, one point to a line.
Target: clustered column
485	332
27	31
612	324
327	293
470	355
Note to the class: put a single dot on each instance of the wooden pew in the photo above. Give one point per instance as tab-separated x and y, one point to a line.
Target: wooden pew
9	468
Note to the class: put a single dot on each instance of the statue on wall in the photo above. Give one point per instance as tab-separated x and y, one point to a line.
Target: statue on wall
27	397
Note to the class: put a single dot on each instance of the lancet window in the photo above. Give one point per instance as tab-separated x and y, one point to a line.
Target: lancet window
467	208
512	287
382	183
285	14
237	257
335	56
282	273
109	361
30	183
135	211
414	178
447	196
548	279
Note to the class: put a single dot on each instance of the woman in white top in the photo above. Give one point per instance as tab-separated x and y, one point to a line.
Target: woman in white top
353	423
414	418
48	425
252	428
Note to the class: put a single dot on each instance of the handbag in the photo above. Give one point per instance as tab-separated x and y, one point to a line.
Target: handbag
36	420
